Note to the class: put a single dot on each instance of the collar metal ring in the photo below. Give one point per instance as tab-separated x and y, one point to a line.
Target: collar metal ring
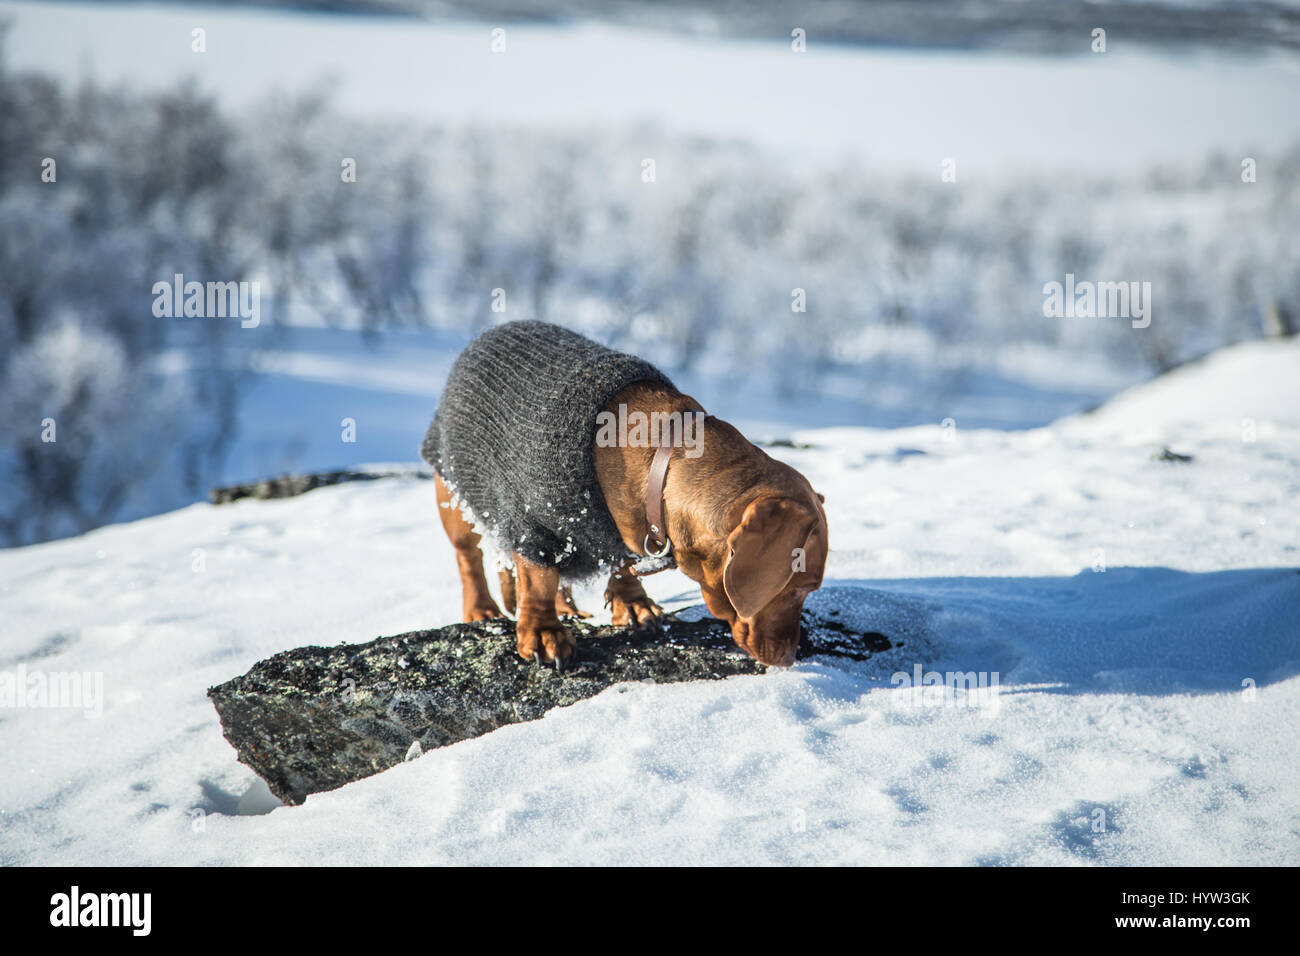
668	546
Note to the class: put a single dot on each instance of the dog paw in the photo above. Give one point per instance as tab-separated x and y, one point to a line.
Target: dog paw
565	607
545	643
482	612
636	613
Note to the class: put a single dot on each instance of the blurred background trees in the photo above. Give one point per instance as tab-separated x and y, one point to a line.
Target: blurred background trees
896	269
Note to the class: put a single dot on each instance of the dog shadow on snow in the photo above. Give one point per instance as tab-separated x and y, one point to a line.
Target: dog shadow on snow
1123	630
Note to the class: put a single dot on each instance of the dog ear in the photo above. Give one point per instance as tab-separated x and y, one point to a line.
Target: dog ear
761	552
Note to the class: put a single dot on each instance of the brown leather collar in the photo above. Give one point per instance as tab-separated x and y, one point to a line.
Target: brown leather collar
654	497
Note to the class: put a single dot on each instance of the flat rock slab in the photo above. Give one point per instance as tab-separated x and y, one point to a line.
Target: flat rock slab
314	718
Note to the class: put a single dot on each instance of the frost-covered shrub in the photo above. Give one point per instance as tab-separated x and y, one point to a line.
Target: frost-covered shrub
95	433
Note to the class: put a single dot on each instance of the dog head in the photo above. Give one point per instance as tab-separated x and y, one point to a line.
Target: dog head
772	560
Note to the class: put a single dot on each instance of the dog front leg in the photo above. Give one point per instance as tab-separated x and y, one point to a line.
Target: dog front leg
541	636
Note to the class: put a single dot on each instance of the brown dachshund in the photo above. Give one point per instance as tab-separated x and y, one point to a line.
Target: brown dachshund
748	529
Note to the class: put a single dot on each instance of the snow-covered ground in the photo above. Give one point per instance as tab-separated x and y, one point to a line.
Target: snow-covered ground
1142	618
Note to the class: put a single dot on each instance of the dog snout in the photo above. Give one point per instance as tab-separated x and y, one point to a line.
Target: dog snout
775	649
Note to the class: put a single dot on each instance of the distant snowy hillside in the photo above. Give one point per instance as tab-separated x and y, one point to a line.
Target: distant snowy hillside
1142	617
1120	110
1248	384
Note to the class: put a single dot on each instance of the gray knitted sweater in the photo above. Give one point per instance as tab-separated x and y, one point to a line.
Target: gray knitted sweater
513	437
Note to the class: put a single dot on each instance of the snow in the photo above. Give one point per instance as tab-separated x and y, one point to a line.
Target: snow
1226	388
1120	110
1142	618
